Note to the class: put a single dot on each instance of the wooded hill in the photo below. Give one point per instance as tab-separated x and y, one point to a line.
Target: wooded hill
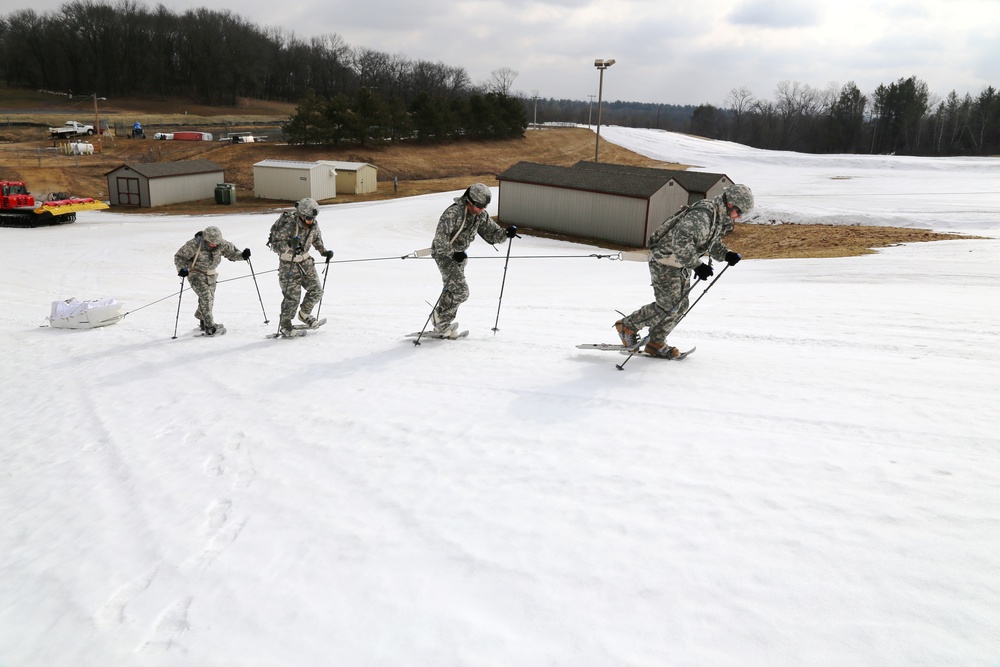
216	57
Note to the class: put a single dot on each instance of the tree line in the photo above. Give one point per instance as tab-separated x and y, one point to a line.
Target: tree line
215	57
355	94
901	117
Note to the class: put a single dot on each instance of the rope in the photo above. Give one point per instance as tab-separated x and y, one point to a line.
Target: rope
612	256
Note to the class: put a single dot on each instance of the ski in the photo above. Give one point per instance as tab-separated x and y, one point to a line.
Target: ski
298	333
677	358
606	346
219	331
298	330
319	323
627	349
451	335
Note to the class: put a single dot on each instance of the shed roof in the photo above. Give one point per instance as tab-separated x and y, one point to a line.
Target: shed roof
692	181
287	164
347	166
642	185
178	168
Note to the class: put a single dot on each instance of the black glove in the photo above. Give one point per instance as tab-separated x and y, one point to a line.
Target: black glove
703	271
329	255
182	273
246	253
732	257
460	256
296	245
511	232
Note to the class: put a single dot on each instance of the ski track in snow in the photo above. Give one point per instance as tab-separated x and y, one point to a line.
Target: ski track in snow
221	528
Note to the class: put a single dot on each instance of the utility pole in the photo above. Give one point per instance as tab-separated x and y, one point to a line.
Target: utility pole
535	93
97	124
590	110
601	64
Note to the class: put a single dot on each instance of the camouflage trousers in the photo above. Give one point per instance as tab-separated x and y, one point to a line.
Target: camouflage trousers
455	291
292	278
661	316
204	286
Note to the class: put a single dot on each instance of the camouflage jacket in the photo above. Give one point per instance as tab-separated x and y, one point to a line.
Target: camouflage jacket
686	236
291	238
457	228
197	257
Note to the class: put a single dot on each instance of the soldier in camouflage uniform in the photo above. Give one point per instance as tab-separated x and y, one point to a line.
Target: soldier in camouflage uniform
197	260
292	235
675	249
456	230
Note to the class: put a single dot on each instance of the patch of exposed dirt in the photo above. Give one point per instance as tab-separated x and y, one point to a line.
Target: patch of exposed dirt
800	241
27	153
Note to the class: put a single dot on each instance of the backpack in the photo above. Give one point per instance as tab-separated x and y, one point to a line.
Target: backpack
669	223
272	236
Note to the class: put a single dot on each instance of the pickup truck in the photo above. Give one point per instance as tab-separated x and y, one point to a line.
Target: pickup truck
71	129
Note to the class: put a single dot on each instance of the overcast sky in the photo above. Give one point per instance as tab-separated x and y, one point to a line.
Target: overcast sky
667	51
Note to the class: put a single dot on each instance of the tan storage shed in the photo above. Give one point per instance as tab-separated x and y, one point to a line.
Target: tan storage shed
292	180
605	202
162	183
356	178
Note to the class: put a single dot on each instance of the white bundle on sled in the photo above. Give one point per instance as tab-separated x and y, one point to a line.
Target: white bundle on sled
73	314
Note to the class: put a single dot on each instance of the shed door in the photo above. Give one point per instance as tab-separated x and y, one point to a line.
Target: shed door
128	191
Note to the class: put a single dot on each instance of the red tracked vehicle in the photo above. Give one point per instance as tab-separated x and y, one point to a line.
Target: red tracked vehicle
18	207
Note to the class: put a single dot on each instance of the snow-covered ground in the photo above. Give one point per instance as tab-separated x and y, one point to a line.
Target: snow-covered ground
944	194
817	485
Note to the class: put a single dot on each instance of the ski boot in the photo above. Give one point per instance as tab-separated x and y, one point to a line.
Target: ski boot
628	335
286	330
307	319
661	350
441	327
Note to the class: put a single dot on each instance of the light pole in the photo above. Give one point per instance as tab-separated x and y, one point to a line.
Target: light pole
97	124
601	65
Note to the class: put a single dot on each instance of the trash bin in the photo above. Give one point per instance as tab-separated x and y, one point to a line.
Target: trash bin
225	193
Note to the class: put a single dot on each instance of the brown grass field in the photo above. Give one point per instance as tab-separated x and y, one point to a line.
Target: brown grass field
27	153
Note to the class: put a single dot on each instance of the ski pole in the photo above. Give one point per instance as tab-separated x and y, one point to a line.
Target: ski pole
177	319
621	366
258	291
503	282
429	316
705	291
319	306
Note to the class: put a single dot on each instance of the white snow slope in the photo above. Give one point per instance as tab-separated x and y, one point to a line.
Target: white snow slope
817	485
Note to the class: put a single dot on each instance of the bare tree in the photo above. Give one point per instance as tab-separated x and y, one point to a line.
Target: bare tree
740	101
796	103
501	81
